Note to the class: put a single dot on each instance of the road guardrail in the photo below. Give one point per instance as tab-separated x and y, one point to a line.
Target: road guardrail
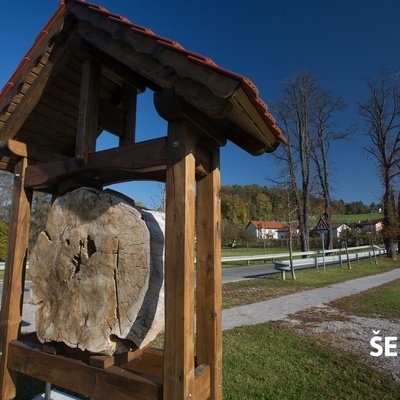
280	256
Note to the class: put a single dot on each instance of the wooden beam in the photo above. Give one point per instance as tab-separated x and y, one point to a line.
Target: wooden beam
202	382
140	157
14	276
179	262
151	363
88	110
129	100
171	107
208	274
102	384
111	118
30	151
114	70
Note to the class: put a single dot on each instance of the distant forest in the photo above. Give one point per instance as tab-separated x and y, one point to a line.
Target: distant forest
242	204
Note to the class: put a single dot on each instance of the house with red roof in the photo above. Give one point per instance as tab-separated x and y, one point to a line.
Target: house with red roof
264	229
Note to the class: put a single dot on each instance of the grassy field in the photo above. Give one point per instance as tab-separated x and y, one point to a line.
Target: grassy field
265	362
351	219
383	301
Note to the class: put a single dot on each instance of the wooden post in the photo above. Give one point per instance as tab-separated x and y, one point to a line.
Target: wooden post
88	110
129	99
208	274
179	262
14	276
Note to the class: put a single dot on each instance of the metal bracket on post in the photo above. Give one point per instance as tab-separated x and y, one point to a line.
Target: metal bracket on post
47	394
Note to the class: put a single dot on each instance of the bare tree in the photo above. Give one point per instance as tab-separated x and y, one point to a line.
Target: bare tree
286	211
381	112
295	112
323	133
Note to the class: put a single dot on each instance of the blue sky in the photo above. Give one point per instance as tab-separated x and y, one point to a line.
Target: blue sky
267	41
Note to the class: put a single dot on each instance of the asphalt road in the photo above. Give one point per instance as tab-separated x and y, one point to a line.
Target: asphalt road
248	272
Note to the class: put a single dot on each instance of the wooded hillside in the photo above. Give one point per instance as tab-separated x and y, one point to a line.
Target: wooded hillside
241	204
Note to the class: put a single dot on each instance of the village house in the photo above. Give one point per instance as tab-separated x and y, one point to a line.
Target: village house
264	229
373	226
322	228
337	229
283	233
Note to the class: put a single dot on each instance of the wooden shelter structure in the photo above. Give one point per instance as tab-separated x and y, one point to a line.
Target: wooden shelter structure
82	76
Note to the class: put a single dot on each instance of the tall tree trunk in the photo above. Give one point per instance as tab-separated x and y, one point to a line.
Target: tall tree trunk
398	219
381	111
390	222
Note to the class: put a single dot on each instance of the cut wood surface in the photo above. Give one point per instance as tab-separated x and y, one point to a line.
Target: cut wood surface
97	272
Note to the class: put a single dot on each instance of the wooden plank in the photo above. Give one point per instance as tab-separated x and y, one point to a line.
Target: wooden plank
101	361
117	359
209	285
150	154
127	357
149	363
14	276
179	262
201	390
112	383
88	110
29	151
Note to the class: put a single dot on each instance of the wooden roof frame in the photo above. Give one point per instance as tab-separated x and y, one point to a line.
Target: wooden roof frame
82	76
223	104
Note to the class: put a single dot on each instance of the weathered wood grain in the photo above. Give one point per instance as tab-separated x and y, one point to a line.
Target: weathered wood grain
97	273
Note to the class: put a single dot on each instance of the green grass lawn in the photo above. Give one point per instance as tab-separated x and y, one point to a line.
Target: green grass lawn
264	362
353	218
383	301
